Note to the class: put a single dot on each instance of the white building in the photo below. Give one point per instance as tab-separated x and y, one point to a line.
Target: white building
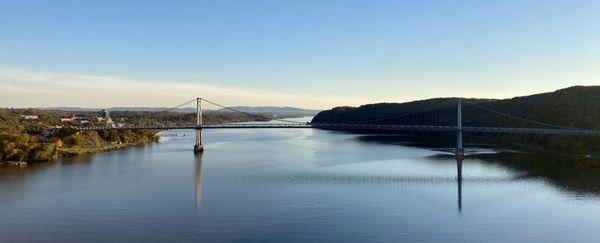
67	119
29	117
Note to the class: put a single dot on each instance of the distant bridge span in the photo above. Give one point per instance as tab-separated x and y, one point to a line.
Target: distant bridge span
369	127
458	128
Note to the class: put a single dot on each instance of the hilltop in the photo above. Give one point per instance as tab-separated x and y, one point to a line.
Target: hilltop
577	106
573	107
259	110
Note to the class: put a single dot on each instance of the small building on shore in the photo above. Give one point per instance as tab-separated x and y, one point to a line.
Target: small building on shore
106	117
69	119
29	117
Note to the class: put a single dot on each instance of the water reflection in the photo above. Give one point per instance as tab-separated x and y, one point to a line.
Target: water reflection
305	186
459	160
577	177
198	179
574	175
345	179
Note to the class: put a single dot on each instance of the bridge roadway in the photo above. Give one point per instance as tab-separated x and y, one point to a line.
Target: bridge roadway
347	126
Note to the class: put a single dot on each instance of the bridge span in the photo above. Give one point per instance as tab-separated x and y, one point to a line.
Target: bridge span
458	128
367	127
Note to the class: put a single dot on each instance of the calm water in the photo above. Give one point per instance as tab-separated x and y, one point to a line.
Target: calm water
299	185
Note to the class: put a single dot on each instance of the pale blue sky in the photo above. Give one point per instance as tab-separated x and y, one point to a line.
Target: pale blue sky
337	52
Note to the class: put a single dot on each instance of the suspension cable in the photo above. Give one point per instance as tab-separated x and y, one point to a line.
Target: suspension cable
435	107
251	114
177	106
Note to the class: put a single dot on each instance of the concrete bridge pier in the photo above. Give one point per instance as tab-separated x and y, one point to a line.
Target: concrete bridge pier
460	151
198	148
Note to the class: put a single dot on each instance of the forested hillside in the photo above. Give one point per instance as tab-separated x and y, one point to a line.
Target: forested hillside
573	107
577	107
23	139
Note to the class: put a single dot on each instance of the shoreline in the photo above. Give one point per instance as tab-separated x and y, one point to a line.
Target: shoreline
71	152
57	153
80	151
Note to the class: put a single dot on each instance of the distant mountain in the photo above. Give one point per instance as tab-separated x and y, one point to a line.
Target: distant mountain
150	109
266	110
272	110
72	109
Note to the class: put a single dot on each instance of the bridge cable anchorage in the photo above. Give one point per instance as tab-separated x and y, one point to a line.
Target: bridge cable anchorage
250	114
432	108
520	118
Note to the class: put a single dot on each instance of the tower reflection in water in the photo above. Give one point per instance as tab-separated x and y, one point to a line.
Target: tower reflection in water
459	161
198	178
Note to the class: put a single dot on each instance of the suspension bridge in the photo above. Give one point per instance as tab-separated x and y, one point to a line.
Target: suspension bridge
403	122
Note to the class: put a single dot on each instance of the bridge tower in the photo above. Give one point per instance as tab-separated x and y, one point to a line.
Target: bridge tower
459	136
198	148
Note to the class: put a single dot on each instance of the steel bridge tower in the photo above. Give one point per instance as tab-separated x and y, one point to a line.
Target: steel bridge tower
460	152
198	148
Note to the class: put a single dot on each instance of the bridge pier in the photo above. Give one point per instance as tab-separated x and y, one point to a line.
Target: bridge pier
198	148
460	151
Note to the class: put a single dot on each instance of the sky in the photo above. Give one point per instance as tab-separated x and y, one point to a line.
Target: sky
312	54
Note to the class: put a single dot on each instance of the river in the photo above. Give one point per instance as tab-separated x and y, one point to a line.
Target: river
299	185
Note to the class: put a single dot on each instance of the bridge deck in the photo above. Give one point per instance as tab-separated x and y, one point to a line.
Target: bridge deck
341	126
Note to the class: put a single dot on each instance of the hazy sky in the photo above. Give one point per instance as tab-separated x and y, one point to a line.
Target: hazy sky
314	54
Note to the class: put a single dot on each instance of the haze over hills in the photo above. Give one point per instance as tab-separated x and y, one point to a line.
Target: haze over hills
274	110
149	109
262	110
